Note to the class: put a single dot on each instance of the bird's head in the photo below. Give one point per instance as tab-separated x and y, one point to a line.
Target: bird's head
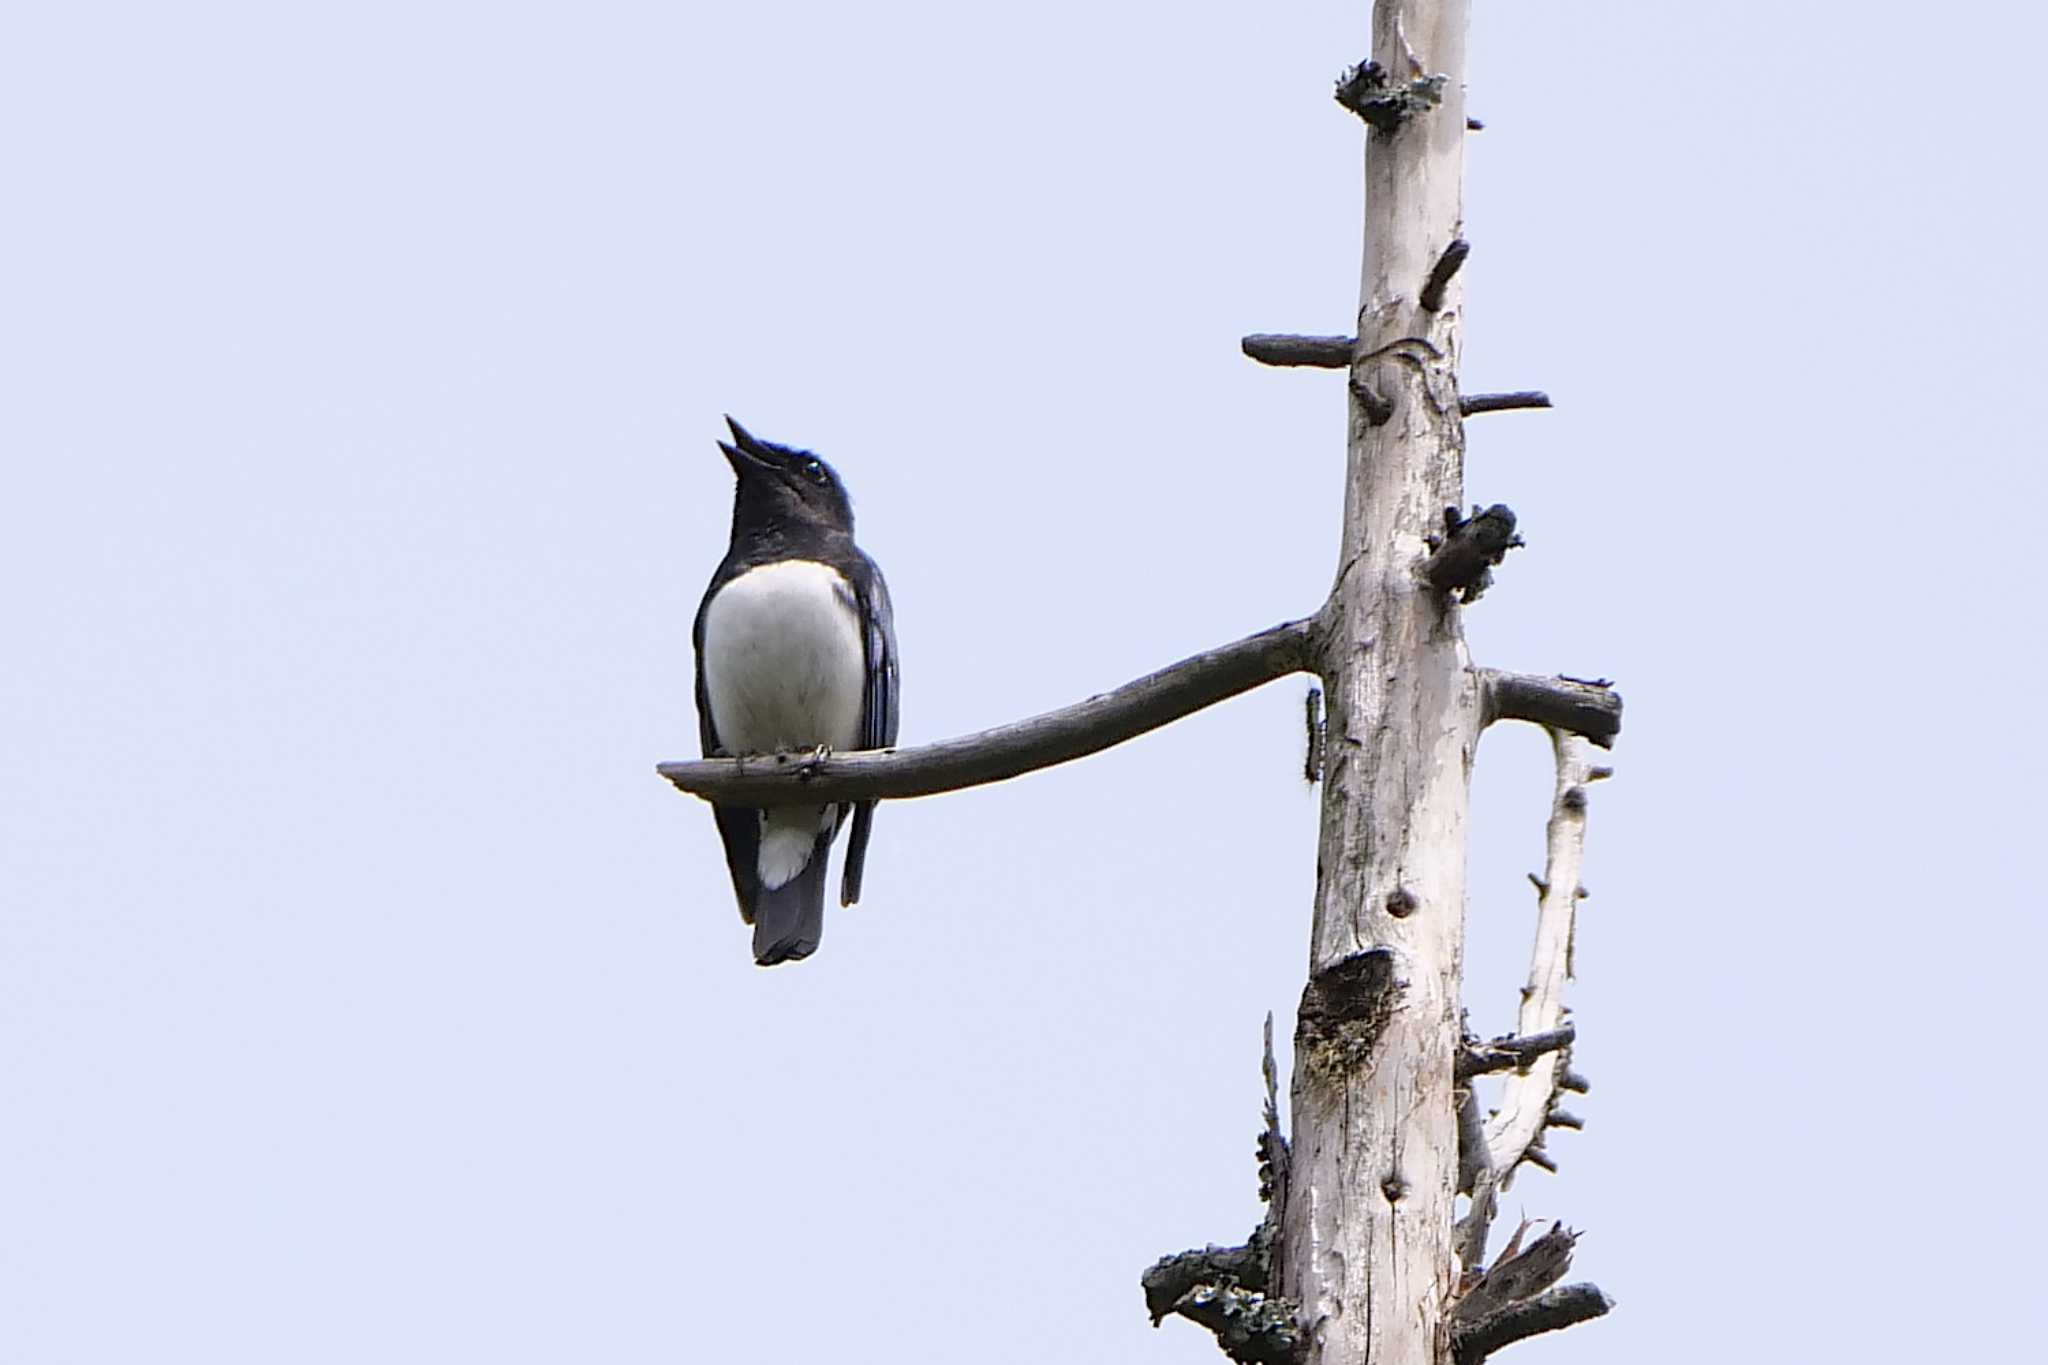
782	483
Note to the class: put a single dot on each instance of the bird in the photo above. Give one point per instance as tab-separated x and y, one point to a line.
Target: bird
796	650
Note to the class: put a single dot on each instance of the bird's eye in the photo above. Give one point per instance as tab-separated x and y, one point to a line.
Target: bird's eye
814	470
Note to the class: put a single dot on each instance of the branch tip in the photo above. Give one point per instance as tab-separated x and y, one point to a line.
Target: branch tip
1502	402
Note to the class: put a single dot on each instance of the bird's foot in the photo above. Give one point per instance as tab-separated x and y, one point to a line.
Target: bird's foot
808	766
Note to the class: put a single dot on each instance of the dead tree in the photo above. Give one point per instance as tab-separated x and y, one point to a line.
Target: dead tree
1363	1255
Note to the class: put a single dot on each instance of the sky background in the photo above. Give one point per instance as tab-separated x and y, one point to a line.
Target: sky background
365	996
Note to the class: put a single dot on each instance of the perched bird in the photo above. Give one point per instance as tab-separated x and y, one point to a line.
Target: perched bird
796	649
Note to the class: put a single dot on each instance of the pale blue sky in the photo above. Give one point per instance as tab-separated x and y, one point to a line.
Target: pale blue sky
363	995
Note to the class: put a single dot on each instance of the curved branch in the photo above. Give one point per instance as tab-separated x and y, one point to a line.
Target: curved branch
1515	1132
1517	1127
1008	750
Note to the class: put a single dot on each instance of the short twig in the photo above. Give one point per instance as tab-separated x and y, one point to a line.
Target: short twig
1503	402
1441	273
1323	353
1273	1150
1312	765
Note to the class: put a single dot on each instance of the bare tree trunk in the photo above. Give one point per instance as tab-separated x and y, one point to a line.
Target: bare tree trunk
1358	1259
1365	1233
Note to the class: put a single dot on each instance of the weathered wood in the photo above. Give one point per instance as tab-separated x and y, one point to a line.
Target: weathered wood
1515	1132
1365	1237
1518	1123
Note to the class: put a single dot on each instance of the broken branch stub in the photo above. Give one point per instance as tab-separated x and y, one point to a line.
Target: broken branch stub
1367	91
1461	559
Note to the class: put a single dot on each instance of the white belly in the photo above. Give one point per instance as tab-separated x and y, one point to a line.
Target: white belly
784	669
783	662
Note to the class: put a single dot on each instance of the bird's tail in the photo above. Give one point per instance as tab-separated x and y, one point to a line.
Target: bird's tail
790	919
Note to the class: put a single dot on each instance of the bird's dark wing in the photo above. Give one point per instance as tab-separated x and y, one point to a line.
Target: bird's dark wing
739	827
878	706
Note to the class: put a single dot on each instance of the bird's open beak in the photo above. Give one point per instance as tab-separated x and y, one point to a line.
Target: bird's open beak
745	447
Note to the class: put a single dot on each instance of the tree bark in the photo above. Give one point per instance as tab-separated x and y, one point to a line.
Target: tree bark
1365	1245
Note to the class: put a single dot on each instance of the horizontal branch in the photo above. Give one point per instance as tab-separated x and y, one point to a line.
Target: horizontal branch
1505	1054
1322	353
1587	709
1172	1278
1335	353
1503	402
1548	1312
1007	750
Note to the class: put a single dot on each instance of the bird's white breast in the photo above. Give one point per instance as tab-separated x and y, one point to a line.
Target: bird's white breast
784	667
